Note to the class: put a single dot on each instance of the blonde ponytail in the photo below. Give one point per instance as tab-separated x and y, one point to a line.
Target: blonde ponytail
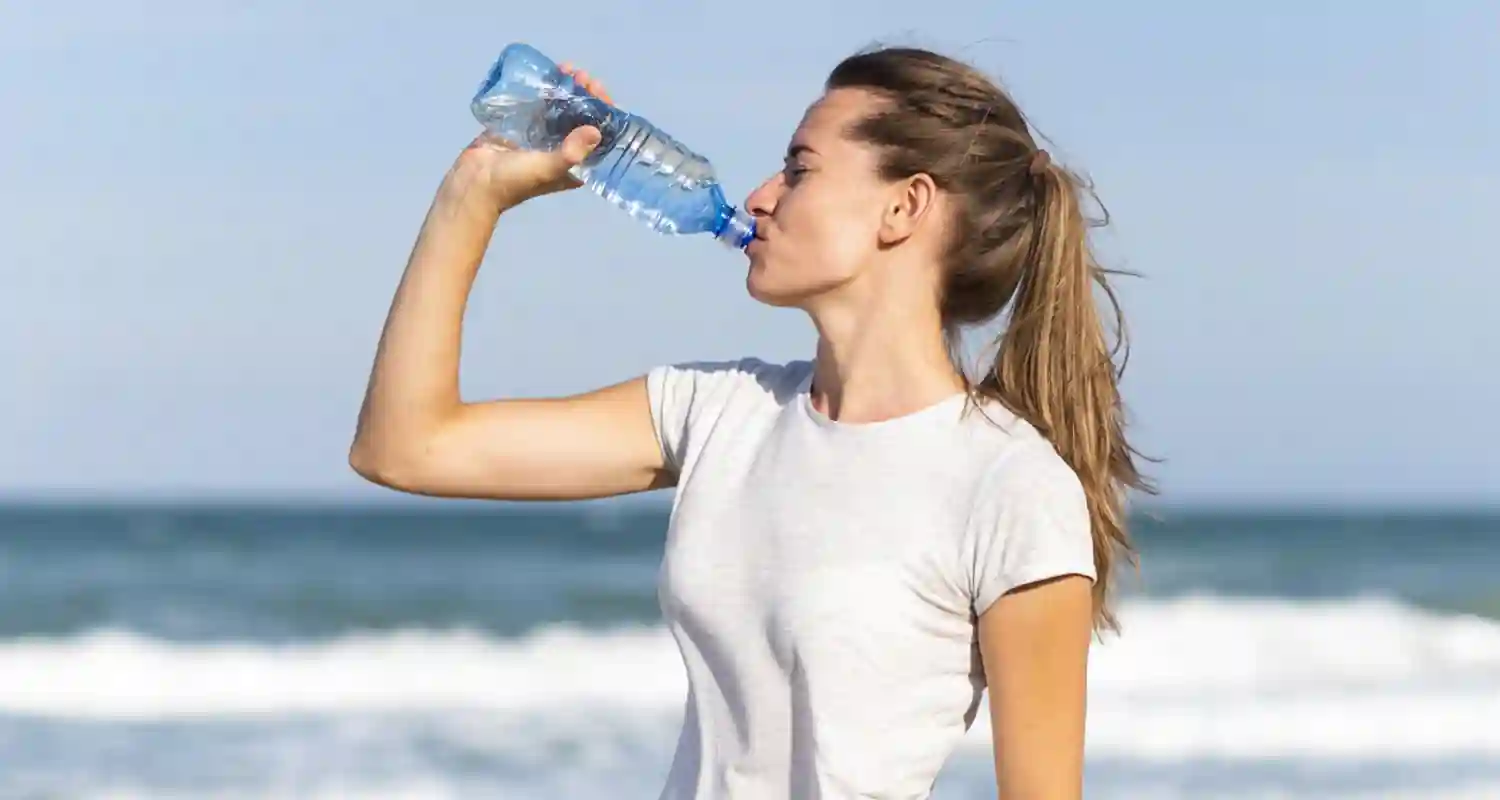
1019	241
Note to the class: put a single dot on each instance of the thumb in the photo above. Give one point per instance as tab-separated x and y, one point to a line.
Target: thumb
579	143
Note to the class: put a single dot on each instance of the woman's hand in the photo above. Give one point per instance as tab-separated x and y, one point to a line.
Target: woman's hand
507	175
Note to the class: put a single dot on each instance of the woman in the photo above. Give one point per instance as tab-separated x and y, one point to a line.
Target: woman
861	543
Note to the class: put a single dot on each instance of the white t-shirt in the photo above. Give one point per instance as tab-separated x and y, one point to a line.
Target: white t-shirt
823	579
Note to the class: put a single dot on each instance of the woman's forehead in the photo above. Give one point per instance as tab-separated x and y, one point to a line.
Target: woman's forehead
827	118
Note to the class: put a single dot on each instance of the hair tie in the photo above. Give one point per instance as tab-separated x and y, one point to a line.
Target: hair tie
1039	161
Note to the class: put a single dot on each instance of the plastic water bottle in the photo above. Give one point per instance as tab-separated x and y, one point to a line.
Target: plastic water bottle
528	102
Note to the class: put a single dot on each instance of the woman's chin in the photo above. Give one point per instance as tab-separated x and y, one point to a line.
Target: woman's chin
761	286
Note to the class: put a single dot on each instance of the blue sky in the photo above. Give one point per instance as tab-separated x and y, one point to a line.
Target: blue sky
205	206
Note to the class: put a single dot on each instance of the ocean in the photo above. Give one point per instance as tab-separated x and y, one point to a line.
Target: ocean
462	650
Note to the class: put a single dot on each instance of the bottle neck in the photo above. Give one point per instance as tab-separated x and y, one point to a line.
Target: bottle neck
736	228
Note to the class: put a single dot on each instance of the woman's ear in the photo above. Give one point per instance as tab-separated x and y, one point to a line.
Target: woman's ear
910	206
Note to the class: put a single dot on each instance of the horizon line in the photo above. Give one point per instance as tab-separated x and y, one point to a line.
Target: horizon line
661	500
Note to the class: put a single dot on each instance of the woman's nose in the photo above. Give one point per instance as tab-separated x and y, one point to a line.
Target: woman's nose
762	201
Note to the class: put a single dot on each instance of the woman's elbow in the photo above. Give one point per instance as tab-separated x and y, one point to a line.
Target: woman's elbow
383	467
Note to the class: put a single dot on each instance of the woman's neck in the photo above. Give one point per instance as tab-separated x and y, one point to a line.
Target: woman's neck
881	362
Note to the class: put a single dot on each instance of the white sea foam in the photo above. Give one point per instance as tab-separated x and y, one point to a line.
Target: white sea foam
116	674
1194	678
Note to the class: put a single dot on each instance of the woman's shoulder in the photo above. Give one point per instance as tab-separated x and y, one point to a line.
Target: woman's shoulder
1008	449
746	374
688	400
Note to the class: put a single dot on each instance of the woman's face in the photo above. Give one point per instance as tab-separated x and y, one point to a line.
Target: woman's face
818	220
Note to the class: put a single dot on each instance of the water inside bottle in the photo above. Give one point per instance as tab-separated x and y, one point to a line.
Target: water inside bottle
657	180
636	166
640	169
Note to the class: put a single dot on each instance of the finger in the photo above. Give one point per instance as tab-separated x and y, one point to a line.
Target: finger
580	142
596	88
589	83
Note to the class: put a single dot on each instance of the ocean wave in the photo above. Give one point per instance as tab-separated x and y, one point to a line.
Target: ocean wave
1197	677
119	674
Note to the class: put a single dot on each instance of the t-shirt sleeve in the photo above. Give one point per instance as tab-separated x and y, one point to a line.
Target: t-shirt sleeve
1030	523
687	398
